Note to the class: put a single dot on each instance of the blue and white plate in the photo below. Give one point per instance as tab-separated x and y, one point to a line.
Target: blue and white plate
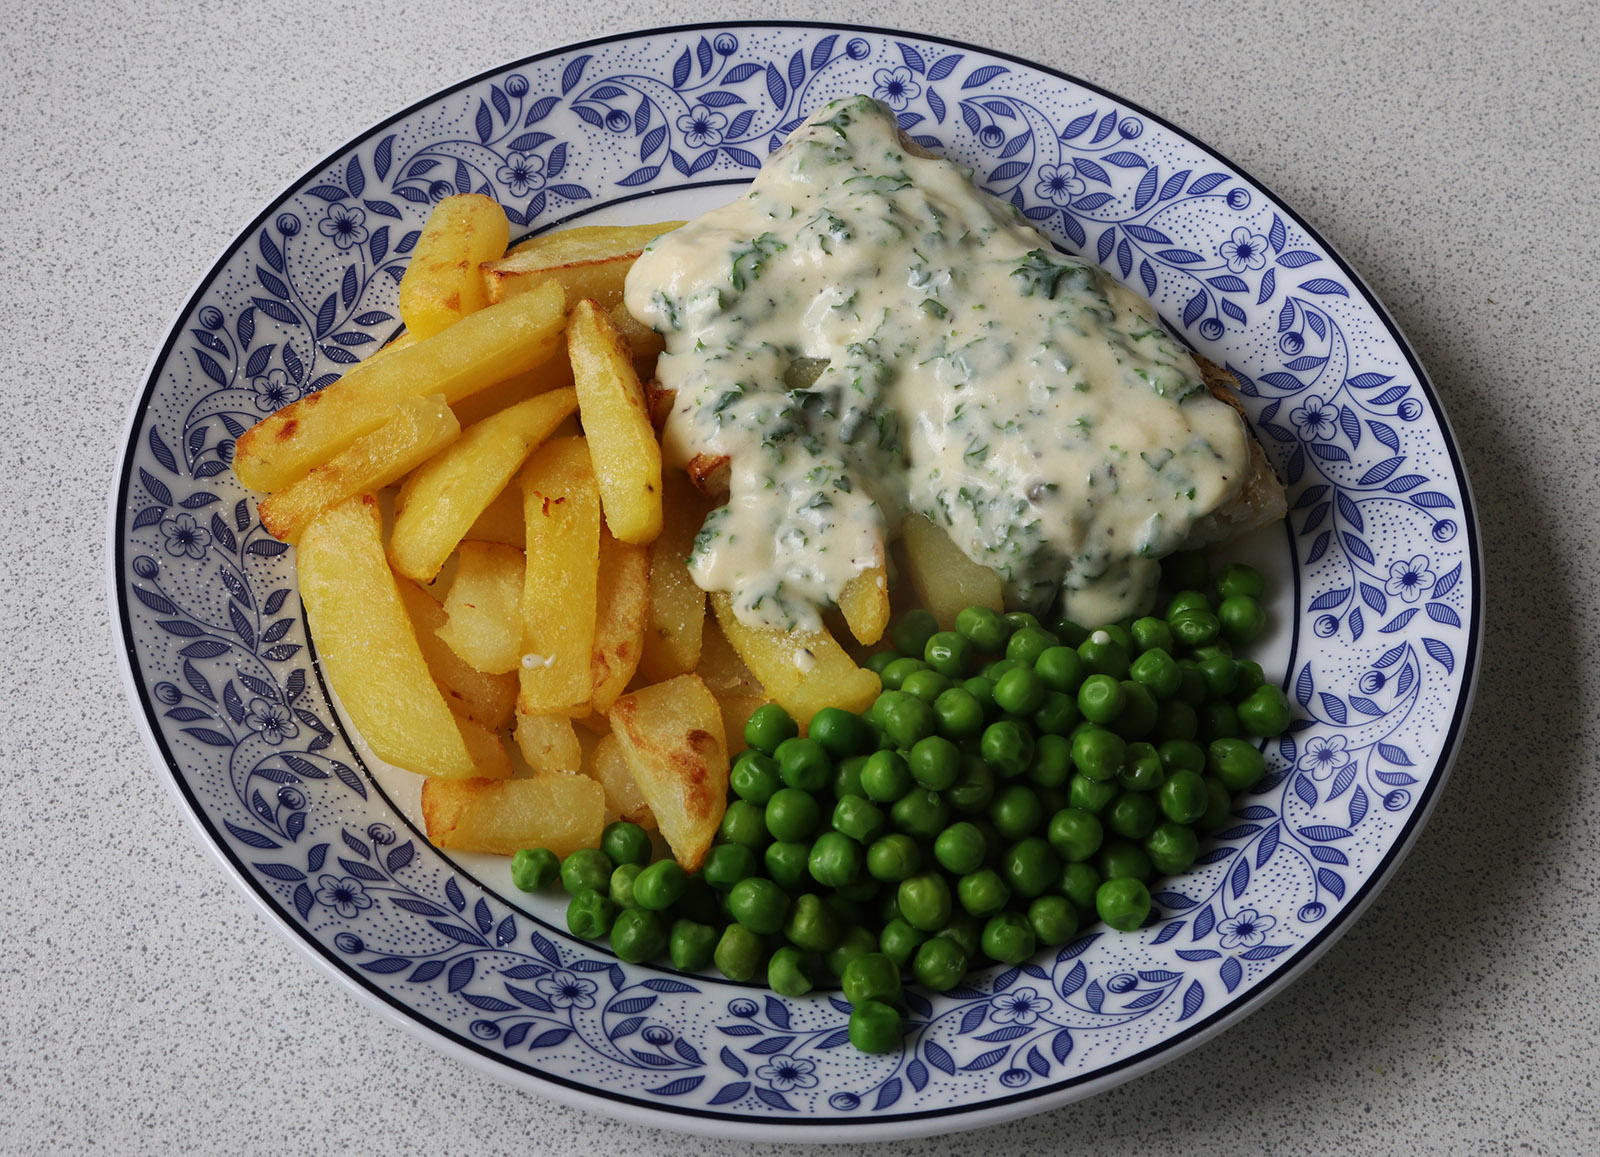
1375	635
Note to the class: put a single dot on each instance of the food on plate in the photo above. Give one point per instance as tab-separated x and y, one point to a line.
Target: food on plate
590	261
865	335
483	609
442	283
564	813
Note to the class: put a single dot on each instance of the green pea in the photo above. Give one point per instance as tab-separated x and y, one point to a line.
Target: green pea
740	953
754	776
987	630
998	667
960	848
1141	768
856	941
1133	815
908	719
939	965
1079	883
935	763
1054	920
1026	645
1101	655
788	863
871	976
622	885
1059	669
899	941
925	685
660	885
858	818
1069	632
925	901
792	814
1151	634
983	892
1265	711
626	843
1190	599
957	713
875	1028
727	864
1195	628
1019	691
586	868
911	633
745	823
1021	619
1030	866
1250	678
886	776
690	945
1091	795
1098	753
1100	698
1172	847
965	930
1192	689
1182	755
847	777
981	688
1052	761
769	726
841	733
804	763
1057	715
949	653
1075	834
920	813
1016	811
1182	797
1119	858
760	905
1219	806
789	972
1220	672
1175	719
973	790
1236	763
590	913
836	860
812	924
1009	938
893	858
1157	671
1216	720
1123	903
638	935
879	660
895	674
533	869
1007	747
1239	580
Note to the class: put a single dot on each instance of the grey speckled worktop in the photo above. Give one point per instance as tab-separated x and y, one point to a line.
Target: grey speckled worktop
1447	150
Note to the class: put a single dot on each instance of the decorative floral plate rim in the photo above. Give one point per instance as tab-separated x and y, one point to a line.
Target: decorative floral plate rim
1090	182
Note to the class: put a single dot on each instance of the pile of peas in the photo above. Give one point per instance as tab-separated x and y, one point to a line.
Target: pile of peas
1010	784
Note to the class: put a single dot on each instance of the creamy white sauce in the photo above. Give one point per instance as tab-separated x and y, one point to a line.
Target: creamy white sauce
1019	398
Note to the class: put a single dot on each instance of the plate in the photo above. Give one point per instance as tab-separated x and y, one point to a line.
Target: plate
1376	633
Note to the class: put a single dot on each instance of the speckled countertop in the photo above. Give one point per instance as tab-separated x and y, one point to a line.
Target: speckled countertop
1446	150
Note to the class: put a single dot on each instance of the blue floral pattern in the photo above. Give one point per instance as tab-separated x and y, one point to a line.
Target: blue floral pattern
1381	540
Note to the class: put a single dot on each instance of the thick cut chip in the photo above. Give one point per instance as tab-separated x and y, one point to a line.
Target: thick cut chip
864	603
610	767
720	666
486	699
590	261
549	743
501	521
561	507
672	736
440	502
804	671
483	610
555	374
417	430
366	644
501	817
647	345
616	419
442	283
623	600
677	606
486	347
945	579
736	712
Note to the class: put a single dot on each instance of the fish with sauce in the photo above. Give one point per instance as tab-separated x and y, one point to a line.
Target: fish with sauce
864	335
